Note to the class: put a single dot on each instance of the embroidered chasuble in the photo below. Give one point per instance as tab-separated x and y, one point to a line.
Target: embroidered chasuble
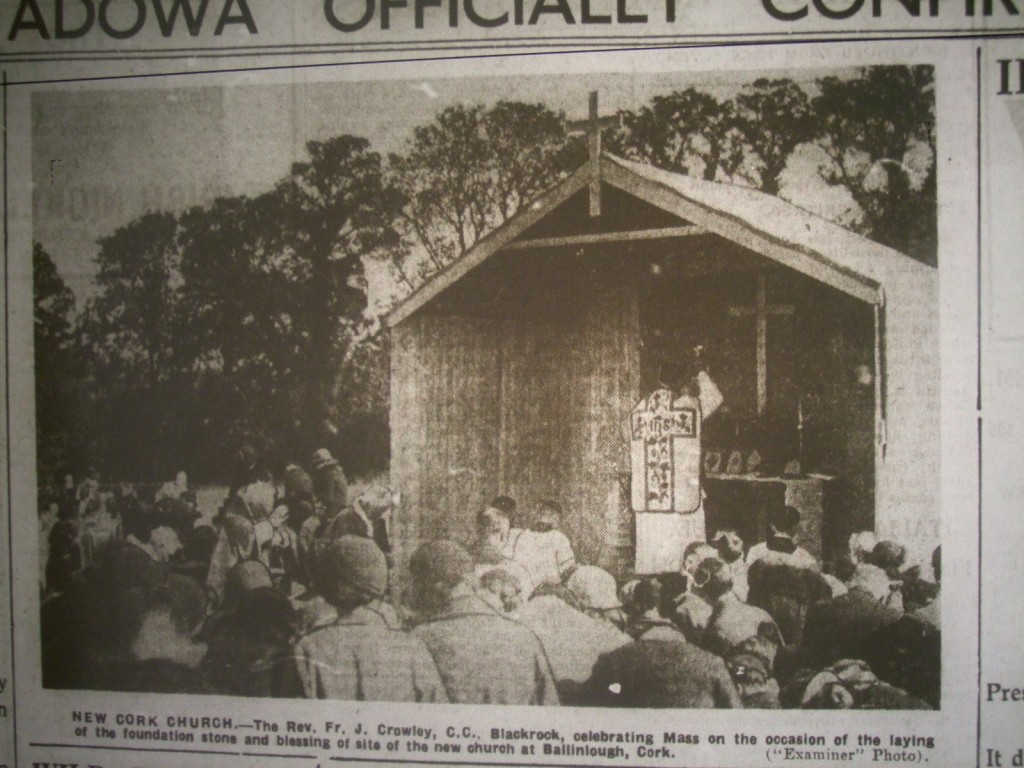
665	466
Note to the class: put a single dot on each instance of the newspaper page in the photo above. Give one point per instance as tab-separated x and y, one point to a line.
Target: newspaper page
511	383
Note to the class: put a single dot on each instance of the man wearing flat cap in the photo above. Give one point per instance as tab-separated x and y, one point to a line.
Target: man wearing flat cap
330	498
660	669
329	482
731	621
361	655
483	657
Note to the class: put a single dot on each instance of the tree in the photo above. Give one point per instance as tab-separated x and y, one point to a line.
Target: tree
444	182
774	117
341	210
362	395
878	133
134	317
54	304
131	331
529	151
689	132
471	170
241	342
56	367
275	291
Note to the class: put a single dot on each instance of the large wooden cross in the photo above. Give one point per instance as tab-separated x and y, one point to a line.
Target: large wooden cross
761	311
592	128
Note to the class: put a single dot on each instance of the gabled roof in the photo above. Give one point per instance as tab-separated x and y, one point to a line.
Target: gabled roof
760	222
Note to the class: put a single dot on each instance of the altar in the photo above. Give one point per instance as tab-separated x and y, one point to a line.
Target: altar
743	503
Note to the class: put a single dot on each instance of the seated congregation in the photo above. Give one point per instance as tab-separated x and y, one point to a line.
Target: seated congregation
289	591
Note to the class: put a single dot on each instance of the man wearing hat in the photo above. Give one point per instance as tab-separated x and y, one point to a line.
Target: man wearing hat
849	625
660	669
573	639
360	655
298	495
148	640
329	482
731	621
330	491
483	657
596	592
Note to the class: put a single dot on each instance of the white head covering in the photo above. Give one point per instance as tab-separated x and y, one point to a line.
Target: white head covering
861	545
872	580
594	587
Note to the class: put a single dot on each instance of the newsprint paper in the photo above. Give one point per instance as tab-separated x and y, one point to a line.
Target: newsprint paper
512	383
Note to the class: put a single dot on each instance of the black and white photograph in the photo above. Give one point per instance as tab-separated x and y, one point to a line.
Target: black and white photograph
607	389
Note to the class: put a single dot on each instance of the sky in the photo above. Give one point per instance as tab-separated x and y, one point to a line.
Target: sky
101	158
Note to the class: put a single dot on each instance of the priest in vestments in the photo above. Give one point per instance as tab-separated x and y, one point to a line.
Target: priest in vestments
665	467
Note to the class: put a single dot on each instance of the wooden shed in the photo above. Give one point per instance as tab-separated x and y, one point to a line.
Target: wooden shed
514	369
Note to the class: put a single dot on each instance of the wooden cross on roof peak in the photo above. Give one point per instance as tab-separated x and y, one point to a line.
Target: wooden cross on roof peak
592	127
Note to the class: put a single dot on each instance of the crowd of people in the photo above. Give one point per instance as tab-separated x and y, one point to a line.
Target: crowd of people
288	590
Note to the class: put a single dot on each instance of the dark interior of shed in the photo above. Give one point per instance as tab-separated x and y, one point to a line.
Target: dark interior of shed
817	400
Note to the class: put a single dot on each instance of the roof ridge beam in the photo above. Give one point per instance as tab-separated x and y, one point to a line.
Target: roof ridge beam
634	235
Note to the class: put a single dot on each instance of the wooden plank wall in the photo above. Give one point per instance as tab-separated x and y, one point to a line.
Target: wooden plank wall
532	408
567	389
610	356
444	427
